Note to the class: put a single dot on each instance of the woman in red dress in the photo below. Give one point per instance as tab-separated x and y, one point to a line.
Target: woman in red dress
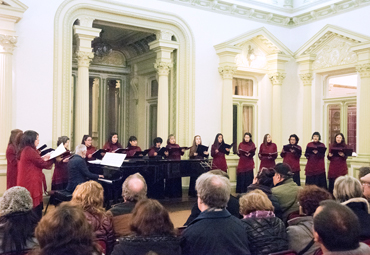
268	152
338	161
30	167
153	151
292	156
244	171
60	175
112	143
11	158
173	186
219	160
87	141
132	147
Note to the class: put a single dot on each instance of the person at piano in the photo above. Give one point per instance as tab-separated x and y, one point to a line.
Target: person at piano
338	161
87	141
60	175
173	186
30	167
153	151
292	156
268	152
112	144
315	167
194	155
11	158
244	171
132	147
77	169
219	160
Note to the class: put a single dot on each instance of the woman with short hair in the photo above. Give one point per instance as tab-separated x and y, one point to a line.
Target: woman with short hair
152	231
291	154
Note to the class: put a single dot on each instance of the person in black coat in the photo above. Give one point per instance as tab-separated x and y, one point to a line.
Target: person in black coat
77	169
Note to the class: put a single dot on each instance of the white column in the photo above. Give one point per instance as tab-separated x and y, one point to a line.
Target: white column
7	44
84	55
163	46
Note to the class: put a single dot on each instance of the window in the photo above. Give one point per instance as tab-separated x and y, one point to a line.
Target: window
152	106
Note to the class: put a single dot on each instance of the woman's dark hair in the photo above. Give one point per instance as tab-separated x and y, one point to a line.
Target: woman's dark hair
157	140
28	139
265	139
343	143
84	138
316	133
63	139
216	139
250	136
15	137
265	175
131	139
310	197
296	138
65	230
111	136
18	228
150	218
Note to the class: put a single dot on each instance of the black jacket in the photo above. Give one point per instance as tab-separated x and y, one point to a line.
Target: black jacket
360	209
266	235
137	245
78	172
215	233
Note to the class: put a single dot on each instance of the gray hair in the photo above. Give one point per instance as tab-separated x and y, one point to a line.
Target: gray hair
347	187
213	190
80	149
134	188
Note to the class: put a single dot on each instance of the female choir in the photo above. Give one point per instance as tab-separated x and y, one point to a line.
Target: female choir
268	152
338	160
244	171
11	158
219	160
60	175
194	153
87	141
112	144
291	153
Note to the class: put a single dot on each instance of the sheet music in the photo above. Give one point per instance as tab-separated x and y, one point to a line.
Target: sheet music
58	151
113	159
96	161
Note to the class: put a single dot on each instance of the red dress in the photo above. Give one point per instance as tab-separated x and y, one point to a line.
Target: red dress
90	150
60	175
12	170
292	158
219	160
246	163
315	162
175	154
270	149
30	173
109	147
131	150
338	165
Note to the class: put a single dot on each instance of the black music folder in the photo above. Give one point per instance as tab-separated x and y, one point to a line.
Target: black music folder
321	150
347	152
97	153
44	152
289	147
241	151
162	151
121	150
201	149
225	146
171	150
42	147
141	153
268	154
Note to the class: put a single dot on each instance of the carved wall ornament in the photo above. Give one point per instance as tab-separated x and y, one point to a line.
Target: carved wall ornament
115	58
251	57
335	53
164	35
84	58
306	78
227	72
86	21
163	68
277	78
8	42
363	70
134	86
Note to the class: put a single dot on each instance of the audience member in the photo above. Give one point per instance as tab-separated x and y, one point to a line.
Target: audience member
65	230
264	181
17	221
232	204
215	230
348	191
266	233
365	181
90	196
337	230
365	170
299	231
152	231
77	169
285	190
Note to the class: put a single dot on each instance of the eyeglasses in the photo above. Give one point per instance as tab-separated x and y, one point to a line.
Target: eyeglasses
365	184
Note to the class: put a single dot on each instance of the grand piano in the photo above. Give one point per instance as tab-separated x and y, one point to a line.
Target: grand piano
153	170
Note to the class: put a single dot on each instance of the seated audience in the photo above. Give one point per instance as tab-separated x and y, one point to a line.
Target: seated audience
17	221
299	231
365	170
90	196
348	191
264	181
77	169
266	233
65	230
365	181
152	231
232	204
285	190
337	230
215	230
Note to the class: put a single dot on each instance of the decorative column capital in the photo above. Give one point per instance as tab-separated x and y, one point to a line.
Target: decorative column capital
84	58
8	43
277	78
162	67
227	72
363	70
164	35
306	78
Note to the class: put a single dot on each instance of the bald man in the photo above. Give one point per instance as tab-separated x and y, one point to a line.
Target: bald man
134	189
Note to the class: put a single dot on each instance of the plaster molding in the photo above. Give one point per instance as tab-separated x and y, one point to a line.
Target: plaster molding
306	78
84	58
227	72
277	78
162	67
164	35
7	42
115	58
363	70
